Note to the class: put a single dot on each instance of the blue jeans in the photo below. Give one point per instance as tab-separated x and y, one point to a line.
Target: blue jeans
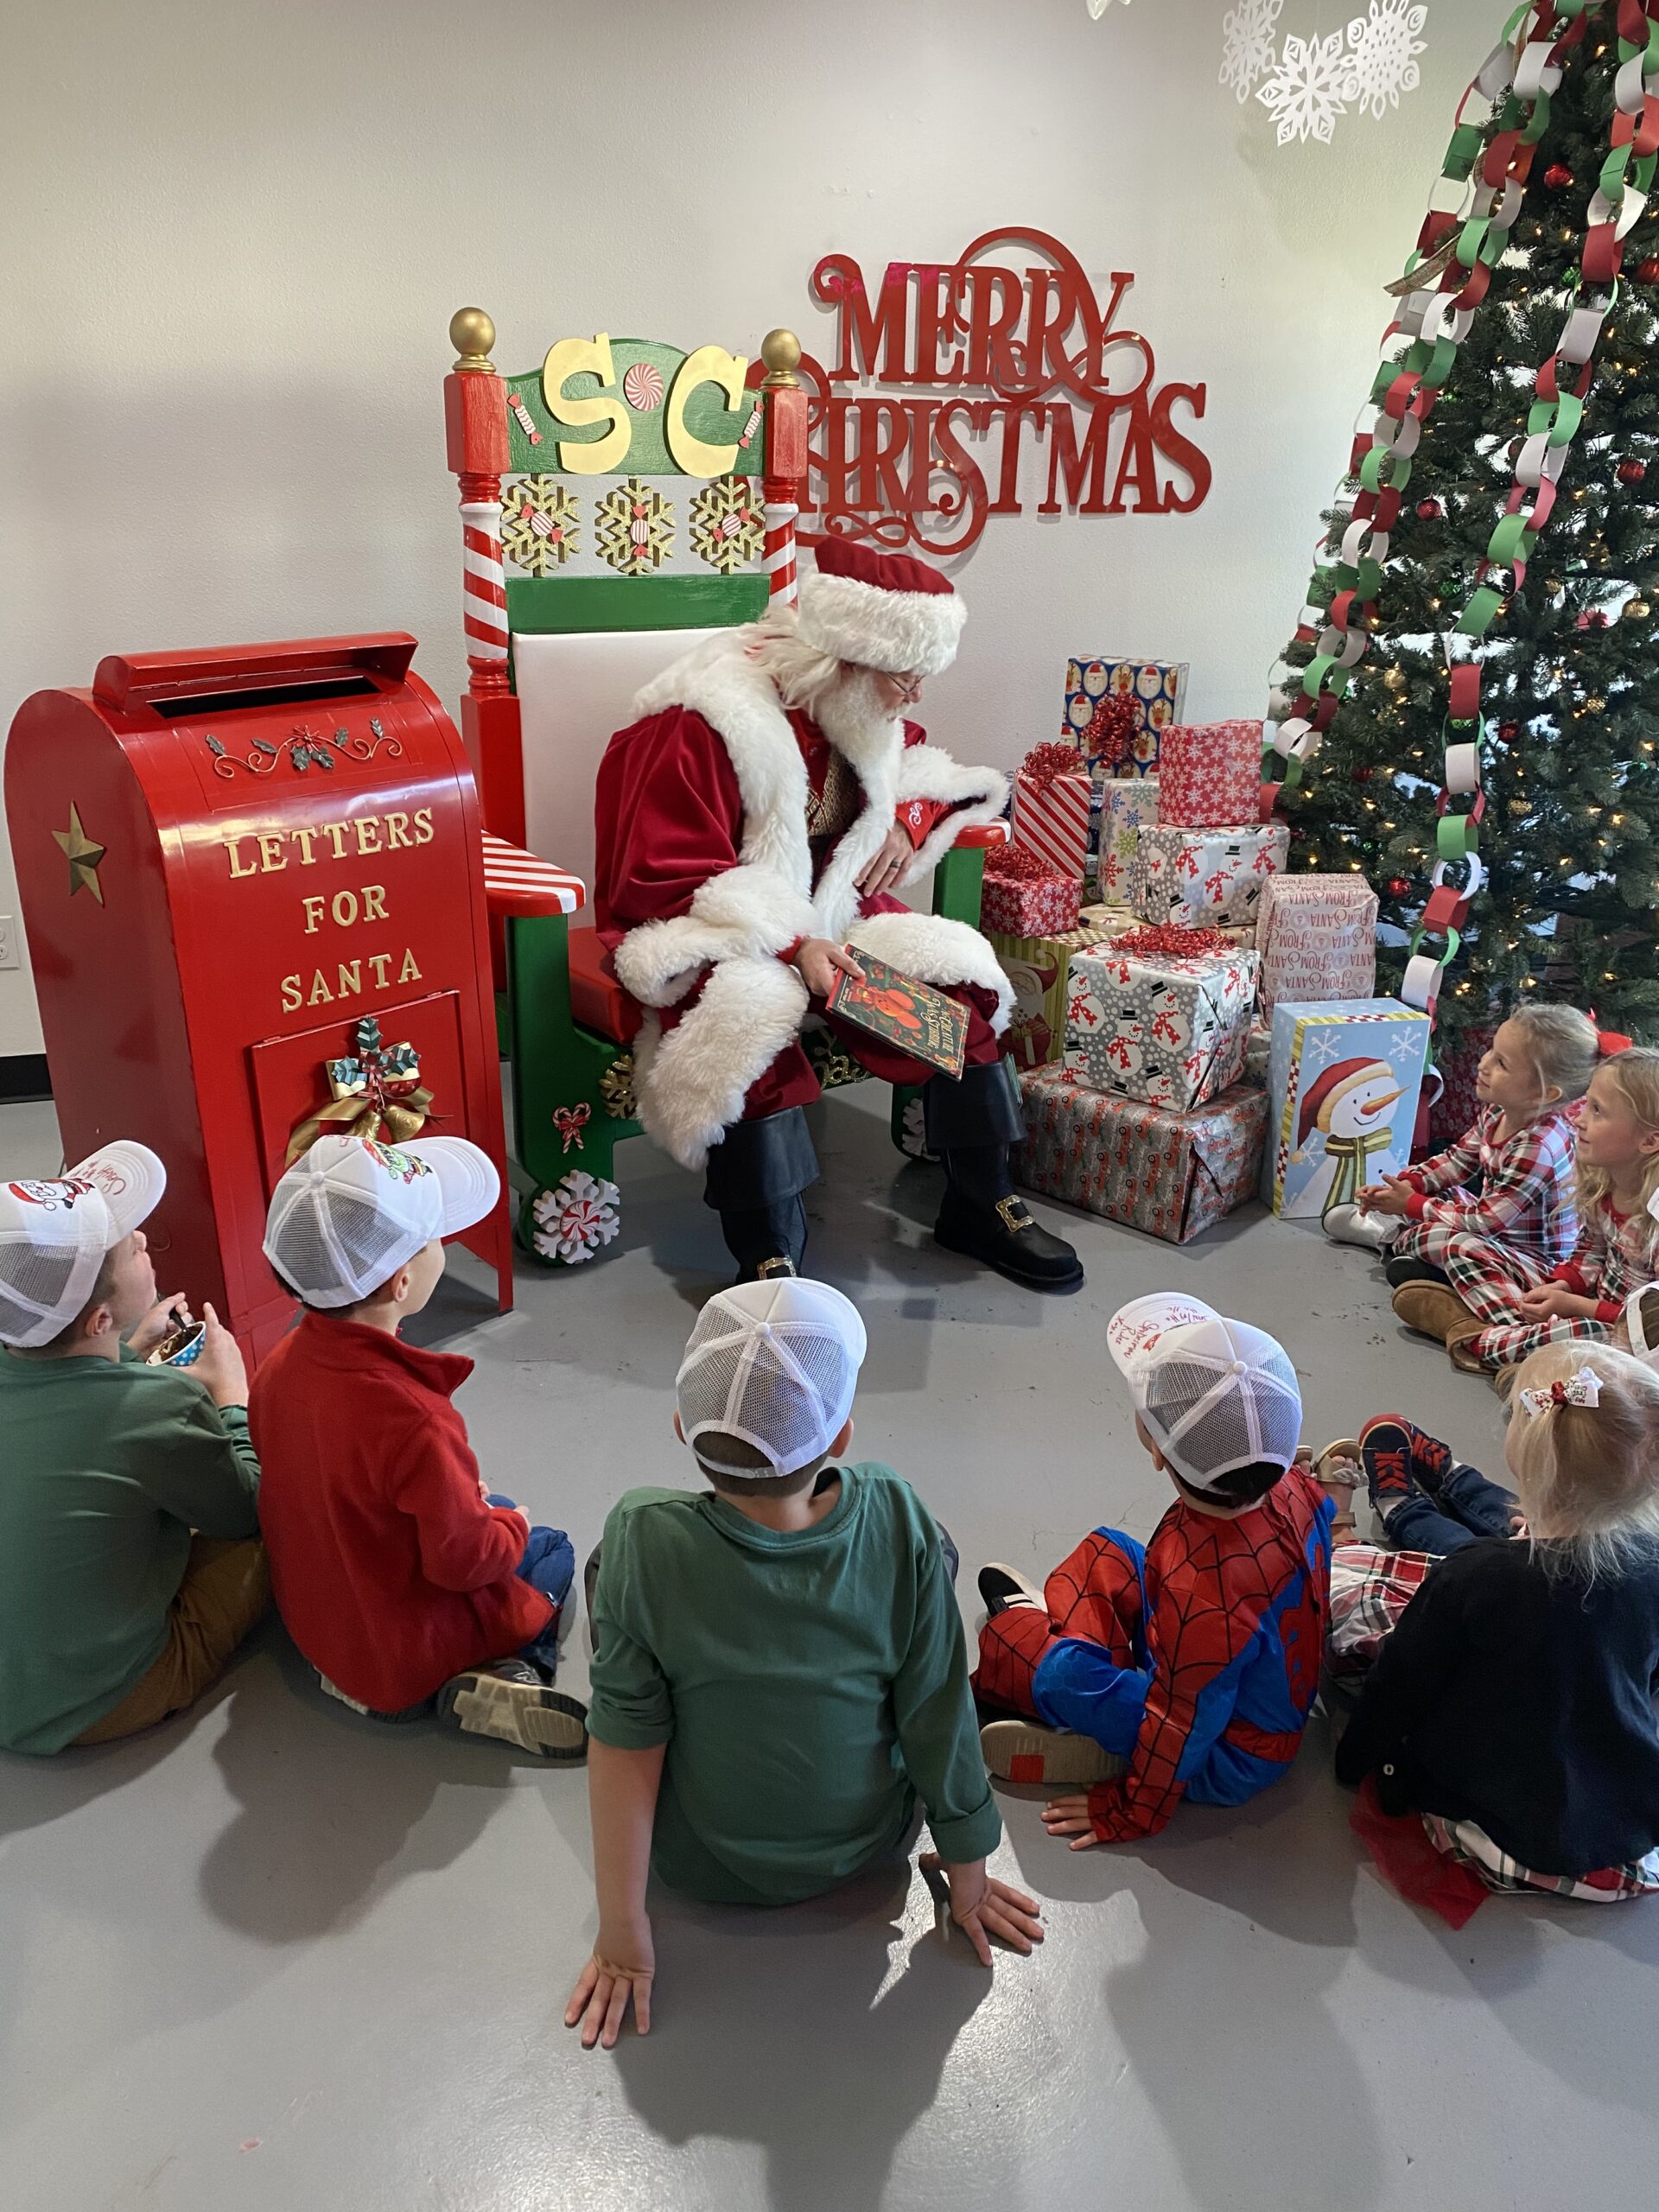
1449	1503
549	1565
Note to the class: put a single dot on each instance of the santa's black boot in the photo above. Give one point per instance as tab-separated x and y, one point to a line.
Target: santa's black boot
756	1174
970	1125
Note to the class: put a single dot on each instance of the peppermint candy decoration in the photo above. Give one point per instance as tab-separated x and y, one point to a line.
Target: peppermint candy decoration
575	1218
642	387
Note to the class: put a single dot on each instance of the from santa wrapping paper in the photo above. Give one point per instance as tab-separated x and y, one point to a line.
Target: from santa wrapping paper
1023	897
1197	877
1343	1080
1051	800
1210	774
1316	936
1036	970
1171	1174
1127	805
1154	691
1160	1014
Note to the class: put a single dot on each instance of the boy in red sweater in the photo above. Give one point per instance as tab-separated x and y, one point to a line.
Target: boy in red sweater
398	1574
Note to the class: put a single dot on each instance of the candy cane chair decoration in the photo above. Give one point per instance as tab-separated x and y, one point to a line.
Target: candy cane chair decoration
554	660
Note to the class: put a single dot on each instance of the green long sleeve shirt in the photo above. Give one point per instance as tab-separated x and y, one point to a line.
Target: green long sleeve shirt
810	1686
105	1468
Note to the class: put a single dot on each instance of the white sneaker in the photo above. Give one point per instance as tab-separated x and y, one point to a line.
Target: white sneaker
1352	1225
510	1701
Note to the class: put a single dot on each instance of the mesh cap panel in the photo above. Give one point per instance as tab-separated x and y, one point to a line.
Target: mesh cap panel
784	1387
335	1248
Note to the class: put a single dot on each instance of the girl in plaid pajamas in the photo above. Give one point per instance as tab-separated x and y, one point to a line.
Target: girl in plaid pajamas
1487	1220
1618	1250
1506	1695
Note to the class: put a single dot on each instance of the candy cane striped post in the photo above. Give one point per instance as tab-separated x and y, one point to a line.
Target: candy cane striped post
480	453
786	463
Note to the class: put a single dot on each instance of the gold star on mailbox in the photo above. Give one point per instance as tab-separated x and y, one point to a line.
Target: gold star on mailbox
83	856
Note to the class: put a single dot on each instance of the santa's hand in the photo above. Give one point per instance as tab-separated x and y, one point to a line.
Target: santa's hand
818	961
889	863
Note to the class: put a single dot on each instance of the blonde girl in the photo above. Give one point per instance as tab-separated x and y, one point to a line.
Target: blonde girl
1509	1705
1618	1250
1489	1219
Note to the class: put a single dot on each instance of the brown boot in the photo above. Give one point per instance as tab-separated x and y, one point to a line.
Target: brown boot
1465	1359
1434	1310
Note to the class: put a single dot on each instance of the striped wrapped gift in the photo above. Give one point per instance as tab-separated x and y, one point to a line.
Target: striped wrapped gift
1052	795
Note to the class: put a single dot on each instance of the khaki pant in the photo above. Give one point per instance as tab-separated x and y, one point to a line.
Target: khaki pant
226	1587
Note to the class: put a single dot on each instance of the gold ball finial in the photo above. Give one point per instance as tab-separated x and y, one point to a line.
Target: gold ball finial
781	351
471	334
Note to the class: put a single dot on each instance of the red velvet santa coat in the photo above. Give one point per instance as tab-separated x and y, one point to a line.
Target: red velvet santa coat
705	875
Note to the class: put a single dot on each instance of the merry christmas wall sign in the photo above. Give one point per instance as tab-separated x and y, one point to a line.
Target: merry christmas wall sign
957	390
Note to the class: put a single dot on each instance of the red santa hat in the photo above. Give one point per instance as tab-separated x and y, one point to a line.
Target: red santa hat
881	610
1326	1092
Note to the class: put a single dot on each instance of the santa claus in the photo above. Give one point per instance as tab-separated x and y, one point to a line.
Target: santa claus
751	824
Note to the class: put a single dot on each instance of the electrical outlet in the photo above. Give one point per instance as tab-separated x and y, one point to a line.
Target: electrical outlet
8	941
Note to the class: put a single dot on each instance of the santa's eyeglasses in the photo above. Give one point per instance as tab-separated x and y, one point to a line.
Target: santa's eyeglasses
908	682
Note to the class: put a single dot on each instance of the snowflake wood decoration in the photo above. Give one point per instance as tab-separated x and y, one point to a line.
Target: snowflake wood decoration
634	526
726	528
538	525
575	1218
1383	46
1246	32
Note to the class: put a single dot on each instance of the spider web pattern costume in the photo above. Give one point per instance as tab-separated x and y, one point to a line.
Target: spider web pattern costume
1196	1657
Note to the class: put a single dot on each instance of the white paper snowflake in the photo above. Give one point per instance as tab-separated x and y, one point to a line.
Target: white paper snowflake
1306	90
1247	44
1381	61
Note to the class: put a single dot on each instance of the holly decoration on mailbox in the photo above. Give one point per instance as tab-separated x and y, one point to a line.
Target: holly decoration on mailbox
375	1092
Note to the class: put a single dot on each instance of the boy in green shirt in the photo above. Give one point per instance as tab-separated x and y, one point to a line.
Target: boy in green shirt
779	1667
112	1612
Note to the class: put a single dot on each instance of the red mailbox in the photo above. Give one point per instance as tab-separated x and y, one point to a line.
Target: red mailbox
254	887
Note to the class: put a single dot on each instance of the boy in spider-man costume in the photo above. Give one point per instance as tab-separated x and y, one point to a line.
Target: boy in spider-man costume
1188	1666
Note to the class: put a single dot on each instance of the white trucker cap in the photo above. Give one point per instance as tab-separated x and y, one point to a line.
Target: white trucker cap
54	1237
775	1363
349	1212
1213	1395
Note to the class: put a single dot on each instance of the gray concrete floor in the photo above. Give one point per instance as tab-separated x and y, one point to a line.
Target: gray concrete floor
272	1958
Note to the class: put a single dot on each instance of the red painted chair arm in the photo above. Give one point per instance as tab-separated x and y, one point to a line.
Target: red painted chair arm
980	835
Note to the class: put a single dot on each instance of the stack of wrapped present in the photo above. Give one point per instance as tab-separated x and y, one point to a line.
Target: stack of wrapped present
1207	859
1116	712
1161	1014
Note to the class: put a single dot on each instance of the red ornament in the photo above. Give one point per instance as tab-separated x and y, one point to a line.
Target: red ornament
1558	176
1398	887
1508	731
1632	472
1595	619
1647	272
1361	775
1429	510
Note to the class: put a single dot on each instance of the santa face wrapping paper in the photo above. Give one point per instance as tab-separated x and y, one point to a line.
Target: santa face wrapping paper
1036	970
1342	1083
1052	796
1127	805
1316	936
1210	774
1171	1174
1157	1025
1154	691
1199	877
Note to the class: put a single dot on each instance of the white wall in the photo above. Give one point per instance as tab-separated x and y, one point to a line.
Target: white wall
237	230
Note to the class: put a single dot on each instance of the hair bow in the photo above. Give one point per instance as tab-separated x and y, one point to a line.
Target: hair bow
1583	1388
1609	1041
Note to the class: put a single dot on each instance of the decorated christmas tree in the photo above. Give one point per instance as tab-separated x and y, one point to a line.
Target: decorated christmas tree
1570	676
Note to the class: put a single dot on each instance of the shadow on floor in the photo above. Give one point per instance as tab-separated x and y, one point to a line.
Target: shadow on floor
761	2009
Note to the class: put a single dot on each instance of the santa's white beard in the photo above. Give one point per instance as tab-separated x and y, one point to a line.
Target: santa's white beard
854	719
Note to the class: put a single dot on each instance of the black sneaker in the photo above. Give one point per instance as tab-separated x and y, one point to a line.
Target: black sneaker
1003	1235
511	1701
1002	1586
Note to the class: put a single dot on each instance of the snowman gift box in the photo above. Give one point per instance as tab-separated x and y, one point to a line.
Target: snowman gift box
1343	1080
1166	1026
1036	970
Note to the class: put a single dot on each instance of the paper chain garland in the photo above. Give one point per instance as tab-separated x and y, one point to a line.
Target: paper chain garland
1437	321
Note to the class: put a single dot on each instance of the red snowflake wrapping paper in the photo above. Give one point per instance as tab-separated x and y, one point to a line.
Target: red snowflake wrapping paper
1316	936
1022	896
1052	796
1166	1023
1169	1174
1199	877
1210	775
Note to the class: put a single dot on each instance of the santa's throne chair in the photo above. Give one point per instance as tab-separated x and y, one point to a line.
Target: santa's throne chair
618	502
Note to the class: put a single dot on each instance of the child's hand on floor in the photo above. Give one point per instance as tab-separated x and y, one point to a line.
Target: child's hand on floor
982	1907
624	1965
164	1316
1070	1816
